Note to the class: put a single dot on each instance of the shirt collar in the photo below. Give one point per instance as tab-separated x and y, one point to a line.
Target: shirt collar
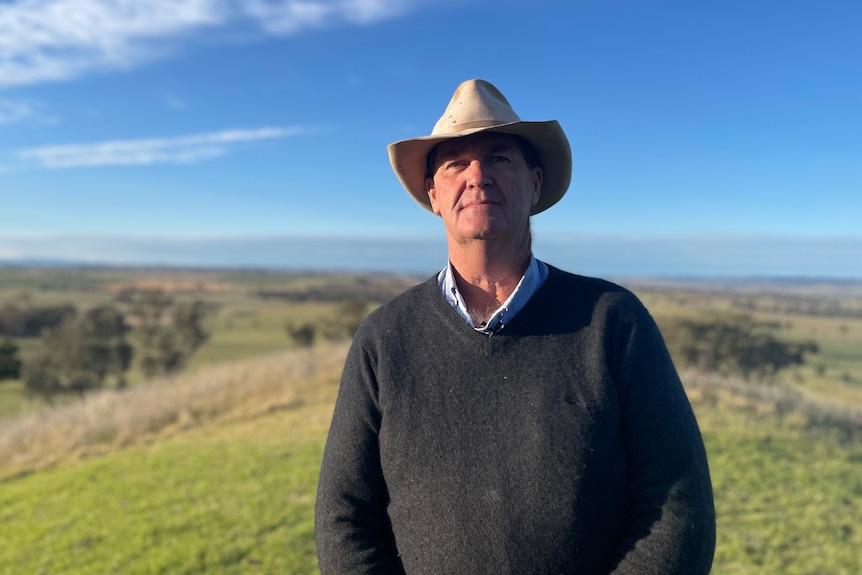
532	280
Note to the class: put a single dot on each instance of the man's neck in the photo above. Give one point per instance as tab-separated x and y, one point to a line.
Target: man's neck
486	274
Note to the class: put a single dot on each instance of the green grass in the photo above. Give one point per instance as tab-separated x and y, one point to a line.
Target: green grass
237	497
234	498
787	501
235	494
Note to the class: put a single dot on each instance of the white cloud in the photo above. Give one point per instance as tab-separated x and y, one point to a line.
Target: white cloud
290	16
11	111
172	101
44	40
49	40
175	150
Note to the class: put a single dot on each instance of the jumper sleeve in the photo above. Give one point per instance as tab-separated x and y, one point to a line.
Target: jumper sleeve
671	525
351	523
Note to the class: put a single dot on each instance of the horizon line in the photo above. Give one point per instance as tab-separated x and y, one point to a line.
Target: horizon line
588	254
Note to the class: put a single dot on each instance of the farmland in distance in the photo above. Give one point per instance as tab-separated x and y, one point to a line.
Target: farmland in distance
214	470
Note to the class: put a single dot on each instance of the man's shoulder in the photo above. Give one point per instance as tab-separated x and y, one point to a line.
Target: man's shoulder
570	283
579	295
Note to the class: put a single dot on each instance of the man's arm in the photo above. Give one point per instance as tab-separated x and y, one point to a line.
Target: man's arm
671	528
351	524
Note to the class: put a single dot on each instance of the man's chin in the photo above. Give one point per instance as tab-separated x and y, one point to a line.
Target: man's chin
480	234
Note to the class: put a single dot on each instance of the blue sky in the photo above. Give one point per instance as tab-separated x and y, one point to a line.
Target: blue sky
163	131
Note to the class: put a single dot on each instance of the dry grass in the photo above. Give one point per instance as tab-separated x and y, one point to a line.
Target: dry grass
787	403
108	420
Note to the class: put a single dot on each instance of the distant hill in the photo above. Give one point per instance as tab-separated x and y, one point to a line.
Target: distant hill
791	285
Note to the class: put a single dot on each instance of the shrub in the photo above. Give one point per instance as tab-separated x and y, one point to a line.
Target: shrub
10	365
80	355
302	335
28	321
168	333
733	345
348	317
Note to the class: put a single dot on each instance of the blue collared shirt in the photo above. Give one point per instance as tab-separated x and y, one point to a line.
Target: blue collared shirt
534	277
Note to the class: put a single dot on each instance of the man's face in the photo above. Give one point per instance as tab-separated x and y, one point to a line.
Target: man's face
482	187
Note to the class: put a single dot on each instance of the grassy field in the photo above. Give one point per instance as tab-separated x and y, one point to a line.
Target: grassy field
218	479
214	471
235	498
787	501
833	374
252	308
232	491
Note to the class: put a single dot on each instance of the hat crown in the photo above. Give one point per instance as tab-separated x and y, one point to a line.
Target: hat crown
475	104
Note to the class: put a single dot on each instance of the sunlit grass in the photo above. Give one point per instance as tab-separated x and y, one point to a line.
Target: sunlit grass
214	471
108	420
227	498
233	493
787	501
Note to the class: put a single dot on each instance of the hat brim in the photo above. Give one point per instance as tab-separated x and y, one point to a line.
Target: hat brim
409	159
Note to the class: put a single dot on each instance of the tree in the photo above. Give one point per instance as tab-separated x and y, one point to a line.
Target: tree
28	321
733	345
80	355
301	334
351	312
348	317
168	333
10	364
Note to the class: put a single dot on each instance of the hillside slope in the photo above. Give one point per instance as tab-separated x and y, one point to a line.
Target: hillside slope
229	486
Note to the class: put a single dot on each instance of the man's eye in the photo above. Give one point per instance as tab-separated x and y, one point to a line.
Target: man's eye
456	164
499	159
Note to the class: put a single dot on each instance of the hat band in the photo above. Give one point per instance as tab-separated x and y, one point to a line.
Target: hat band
470	125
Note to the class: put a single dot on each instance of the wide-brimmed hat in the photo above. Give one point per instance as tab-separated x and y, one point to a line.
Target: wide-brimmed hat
477	106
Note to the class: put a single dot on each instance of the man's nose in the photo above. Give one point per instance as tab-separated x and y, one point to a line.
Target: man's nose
478	174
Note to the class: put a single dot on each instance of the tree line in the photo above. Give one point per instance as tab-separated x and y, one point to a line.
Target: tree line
25	320
85	351
729	344
733	344
798	305
94	349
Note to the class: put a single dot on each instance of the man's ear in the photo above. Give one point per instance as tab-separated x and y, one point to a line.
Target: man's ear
536	177
432	195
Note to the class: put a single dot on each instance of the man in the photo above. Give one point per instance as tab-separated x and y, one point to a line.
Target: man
506	416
